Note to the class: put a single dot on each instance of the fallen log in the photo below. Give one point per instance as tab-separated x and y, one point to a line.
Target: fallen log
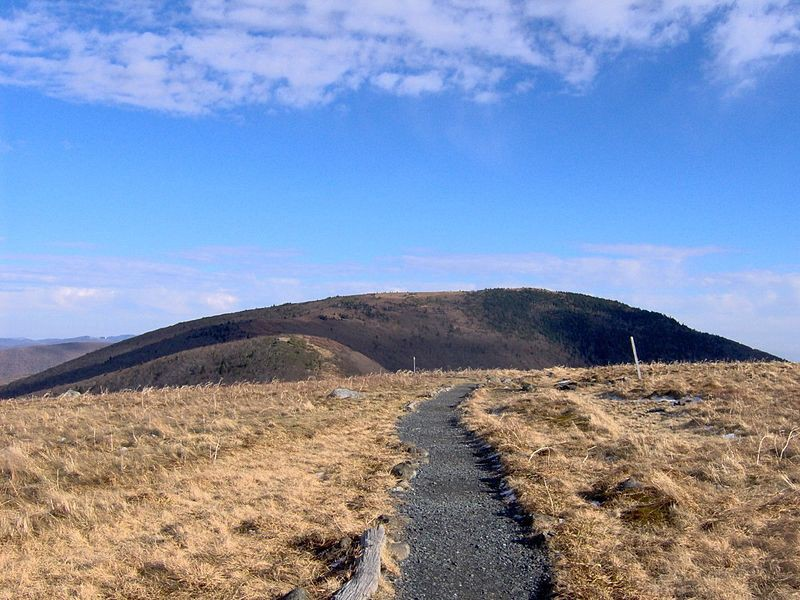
367	573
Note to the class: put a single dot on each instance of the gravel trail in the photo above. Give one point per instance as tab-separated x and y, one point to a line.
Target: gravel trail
464	540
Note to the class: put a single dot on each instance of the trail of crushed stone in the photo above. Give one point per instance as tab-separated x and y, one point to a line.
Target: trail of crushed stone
465	542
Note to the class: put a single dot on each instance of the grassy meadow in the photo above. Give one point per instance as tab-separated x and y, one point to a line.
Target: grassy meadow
684	485
216	492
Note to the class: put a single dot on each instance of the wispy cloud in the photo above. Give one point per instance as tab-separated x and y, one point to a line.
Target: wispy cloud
755	34
212	254
196	56
673	253
47	295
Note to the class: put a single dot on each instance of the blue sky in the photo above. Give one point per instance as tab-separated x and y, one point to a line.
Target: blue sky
165	161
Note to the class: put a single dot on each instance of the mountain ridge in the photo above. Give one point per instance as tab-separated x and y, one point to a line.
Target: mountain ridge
524	328
21	361
22	342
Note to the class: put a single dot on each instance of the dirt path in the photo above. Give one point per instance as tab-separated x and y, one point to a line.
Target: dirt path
464	542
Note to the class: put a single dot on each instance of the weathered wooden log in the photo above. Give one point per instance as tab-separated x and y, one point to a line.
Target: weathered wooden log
367	573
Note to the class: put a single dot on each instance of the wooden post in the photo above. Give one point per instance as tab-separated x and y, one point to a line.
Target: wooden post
368	569
414	361
636	359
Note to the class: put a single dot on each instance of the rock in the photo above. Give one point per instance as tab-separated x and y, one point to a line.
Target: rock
729	436
686	400
629	484
420	452
296	594
399	551
566	384
421	456
526	386
344	393
404	470
656	398
70	394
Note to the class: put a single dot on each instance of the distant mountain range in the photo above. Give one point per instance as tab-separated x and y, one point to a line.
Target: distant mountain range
23	342
522	328
20	357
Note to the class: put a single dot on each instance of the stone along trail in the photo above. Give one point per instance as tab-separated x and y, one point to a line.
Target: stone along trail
464	542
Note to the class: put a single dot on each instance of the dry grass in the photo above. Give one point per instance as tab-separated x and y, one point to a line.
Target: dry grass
642	497
216	492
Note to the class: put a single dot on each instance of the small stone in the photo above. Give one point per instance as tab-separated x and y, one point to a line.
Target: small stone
70	394
630	484
344	393
399	551
526	386
421	455
566	384
296	594
404	470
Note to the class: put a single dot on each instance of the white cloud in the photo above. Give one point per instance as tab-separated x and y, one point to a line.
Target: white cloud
221	301
675	253
78	297
754	34
205	55
410	85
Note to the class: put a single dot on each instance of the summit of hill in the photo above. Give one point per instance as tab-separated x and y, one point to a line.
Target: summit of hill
496	328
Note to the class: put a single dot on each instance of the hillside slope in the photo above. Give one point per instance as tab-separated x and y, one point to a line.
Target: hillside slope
255	360
20	361
525	328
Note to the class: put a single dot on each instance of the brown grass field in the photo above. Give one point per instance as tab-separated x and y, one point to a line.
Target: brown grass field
645	492
213	492
247	491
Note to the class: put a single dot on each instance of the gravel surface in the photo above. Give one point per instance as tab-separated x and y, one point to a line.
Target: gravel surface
465	541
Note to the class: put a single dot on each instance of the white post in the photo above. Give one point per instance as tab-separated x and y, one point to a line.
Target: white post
636	359
414	359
